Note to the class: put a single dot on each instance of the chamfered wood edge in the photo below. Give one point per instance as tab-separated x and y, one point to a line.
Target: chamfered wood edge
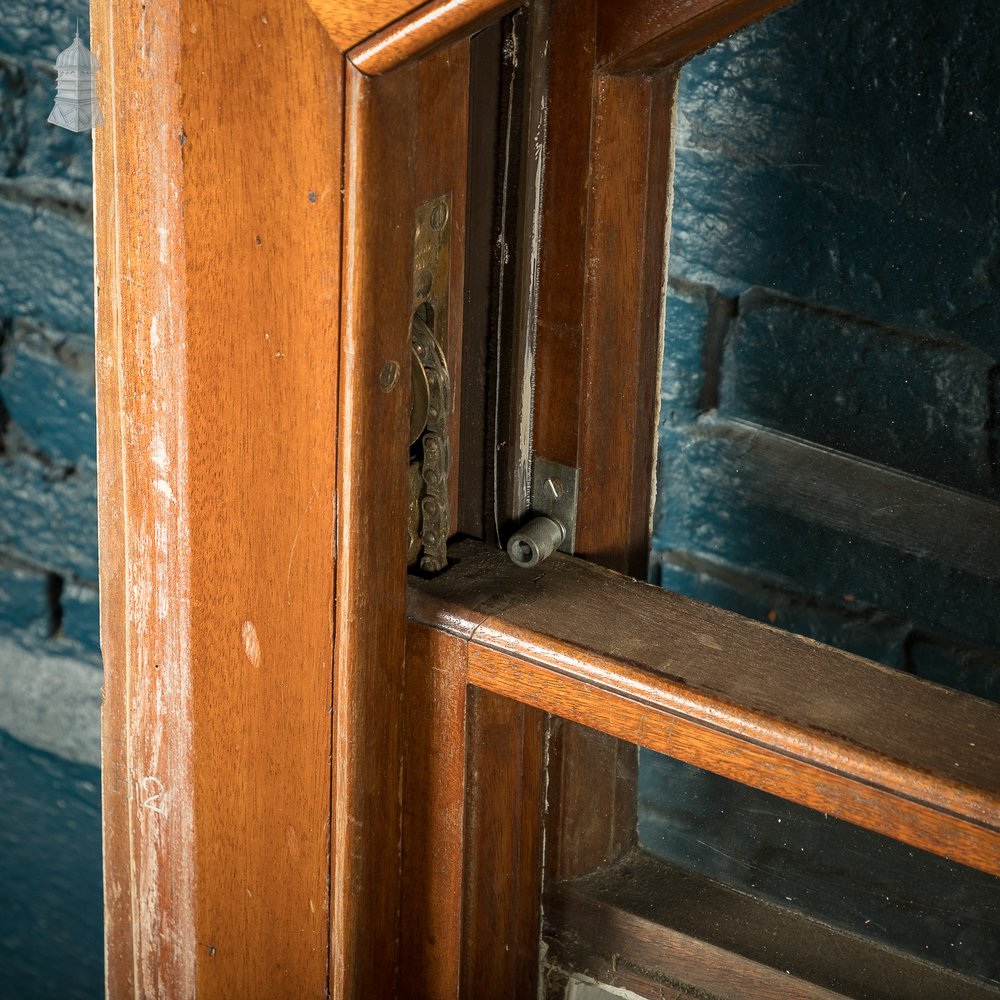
380	35
642	924
348	22
878	777
424	30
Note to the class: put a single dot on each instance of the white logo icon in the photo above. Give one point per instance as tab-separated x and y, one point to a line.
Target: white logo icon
76	89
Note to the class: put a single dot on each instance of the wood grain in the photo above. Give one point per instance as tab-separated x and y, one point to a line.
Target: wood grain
434	729
631	174
350	22
503	848
563	253
218	285
390	169
423	30
785	714
588	823
608	165
636	35
641	923
584	766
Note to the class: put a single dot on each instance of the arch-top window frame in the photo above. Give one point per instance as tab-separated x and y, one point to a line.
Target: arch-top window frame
304	792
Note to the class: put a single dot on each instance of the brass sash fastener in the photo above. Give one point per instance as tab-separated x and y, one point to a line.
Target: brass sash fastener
428	514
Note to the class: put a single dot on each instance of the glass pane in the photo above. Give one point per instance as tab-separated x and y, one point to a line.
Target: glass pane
829	420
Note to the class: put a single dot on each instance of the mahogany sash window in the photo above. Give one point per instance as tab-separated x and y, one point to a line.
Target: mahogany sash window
322	775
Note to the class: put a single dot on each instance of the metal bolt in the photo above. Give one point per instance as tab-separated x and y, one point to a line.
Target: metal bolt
389	376
536	541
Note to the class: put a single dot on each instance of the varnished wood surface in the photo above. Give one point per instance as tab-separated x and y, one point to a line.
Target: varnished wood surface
588	822
424	29
351	21
218	284
597	363
391	168
623	317
801	720
562	259
646	34
501	923
640	922
434	728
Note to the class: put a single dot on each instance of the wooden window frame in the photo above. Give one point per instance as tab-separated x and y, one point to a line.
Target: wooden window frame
266	699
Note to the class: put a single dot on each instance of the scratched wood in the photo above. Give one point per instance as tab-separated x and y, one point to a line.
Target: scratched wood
804	721
218	284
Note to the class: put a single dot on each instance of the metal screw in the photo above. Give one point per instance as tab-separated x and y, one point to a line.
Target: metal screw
554	488
389	376
439	215
424	283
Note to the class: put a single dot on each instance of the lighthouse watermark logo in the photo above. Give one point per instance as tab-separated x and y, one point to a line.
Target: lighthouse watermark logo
76	89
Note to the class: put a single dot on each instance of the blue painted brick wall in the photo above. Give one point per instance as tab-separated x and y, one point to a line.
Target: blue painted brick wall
50	888
834	270
835	280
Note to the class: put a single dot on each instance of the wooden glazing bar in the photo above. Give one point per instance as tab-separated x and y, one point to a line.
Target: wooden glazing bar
812	724
640	35
607	161
501	921
434	728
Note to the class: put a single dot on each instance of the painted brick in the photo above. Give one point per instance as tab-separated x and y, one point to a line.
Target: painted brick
50	876
781	181
47	516
48	268
698	320
50	699
48	162
24	602
80	625
974	670
703	508
41	30
848	624
805	860
50	680
47	388
12	126
900	397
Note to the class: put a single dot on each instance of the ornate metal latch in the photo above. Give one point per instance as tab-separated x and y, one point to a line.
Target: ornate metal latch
429	517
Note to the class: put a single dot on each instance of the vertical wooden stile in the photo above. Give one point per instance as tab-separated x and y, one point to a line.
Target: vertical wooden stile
218	278
405	144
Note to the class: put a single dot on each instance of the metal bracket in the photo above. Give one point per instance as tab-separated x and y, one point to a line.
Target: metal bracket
555	490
